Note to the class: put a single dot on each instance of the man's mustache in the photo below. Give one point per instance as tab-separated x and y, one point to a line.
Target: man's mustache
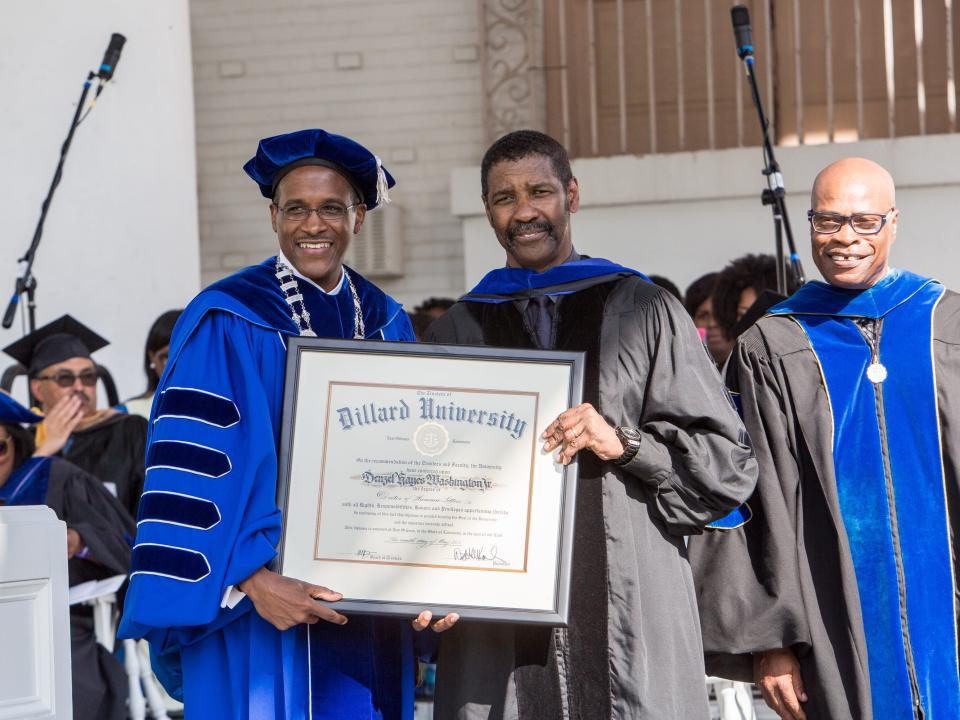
530	227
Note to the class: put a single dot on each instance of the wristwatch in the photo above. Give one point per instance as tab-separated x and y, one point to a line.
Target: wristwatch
630	439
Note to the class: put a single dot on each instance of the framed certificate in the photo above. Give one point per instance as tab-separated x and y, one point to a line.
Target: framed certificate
412	478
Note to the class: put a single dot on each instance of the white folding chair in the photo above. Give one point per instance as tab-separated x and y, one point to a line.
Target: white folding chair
733	699
144	690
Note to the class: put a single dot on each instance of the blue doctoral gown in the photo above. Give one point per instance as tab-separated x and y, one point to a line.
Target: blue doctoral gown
208	518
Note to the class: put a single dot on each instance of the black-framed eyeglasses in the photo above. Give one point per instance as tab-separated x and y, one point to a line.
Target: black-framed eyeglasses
828	223
65	378
6	445
327	211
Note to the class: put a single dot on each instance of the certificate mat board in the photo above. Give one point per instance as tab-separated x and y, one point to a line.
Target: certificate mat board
412	478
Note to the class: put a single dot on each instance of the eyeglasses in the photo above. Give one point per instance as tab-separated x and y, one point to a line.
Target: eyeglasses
6	445
66	379
328	211
828	223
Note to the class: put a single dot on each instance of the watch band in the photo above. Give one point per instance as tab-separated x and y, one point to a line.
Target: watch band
630	439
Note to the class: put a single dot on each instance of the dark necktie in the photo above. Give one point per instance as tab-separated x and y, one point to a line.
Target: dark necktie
544	324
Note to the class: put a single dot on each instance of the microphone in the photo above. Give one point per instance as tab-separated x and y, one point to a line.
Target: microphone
741	30
11	310
111	57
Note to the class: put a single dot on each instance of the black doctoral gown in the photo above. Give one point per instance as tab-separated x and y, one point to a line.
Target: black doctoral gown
785	578
106	530
632	649
113	451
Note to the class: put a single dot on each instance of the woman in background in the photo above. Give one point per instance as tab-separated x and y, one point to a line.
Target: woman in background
154	361
699	304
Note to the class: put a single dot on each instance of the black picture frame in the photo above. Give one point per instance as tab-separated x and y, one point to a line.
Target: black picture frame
574	361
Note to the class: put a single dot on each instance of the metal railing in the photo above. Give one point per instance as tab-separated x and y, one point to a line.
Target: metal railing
649	76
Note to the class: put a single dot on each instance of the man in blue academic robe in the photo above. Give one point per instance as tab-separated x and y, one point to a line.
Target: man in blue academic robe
252	643
836	590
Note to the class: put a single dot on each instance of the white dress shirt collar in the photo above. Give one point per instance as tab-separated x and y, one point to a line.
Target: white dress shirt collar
298	274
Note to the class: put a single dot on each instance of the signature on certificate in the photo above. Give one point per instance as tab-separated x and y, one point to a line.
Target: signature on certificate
480	553
421	542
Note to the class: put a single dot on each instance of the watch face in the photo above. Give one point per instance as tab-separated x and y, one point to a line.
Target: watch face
628	433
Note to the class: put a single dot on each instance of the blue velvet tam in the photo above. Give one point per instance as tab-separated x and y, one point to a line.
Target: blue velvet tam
13	412
278	155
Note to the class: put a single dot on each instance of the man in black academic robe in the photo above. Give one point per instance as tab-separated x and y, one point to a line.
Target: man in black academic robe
112	450
661	453
834	585
107	443
106	531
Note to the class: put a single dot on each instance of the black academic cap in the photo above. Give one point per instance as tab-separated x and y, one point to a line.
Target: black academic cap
64	338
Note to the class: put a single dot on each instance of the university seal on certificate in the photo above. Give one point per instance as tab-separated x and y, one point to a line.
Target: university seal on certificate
412	477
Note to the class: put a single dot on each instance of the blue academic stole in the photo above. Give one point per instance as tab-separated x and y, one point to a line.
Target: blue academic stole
27	485
507	284
891	491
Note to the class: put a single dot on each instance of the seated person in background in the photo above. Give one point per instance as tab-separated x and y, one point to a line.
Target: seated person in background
699	304
420	322
426	312
738	287
434	307
154	361
99	531
106	443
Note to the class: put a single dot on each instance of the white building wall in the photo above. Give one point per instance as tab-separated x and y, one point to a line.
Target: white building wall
400	76
686	214
120	243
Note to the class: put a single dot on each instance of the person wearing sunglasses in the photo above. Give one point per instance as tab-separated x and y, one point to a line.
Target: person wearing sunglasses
837	592
107	443
98	533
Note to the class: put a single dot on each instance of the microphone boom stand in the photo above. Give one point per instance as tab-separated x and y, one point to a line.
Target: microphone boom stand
27	283
775	196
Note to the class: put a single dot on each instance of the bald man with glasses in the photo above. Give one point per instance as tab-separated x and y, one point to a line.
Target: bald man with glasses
107	443
835	591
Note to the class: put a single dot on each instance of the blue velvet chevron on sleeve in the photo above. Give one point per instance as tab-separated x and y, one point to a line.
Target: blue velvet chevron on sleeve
208	518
